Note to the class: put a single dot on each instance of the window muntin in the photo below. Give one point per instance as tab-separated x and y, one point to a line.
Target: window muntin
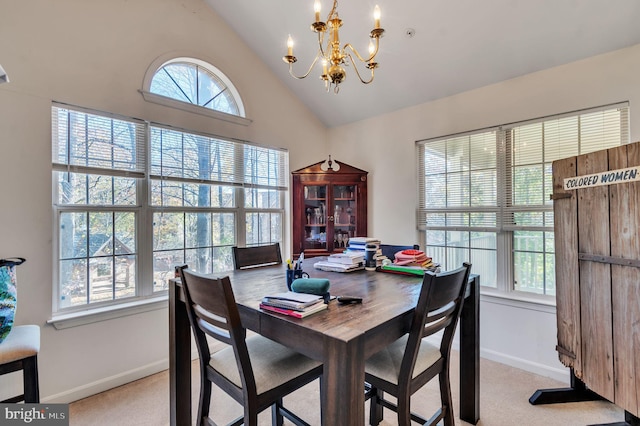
196	189
196	83
504	215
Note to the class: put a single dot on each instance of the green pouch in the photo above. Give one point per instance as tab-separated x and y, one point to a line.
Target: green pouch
319	286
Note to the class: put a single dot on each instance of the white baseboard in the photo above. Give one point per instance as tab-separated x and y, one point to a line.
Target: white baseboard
560	374
107	383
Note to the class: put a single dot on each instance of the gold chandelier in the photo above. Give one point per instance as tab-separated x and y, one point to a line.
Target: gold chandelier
333	56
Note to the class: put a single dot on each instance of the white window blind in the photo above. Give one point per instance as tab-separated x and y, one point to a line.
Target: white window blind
500	179
458	185
188	157
534	146
84	142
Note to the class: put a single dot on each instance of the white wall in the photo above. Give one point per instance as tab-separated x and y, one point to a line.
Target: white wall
95	54
523	335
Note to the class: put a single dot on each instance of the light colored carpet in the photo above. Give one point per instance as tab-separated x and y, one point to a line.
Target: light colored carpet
504	401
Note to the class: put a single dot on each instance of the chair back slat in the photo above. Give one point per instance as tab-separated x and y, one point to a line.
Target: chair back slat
213	311
246	257
438	308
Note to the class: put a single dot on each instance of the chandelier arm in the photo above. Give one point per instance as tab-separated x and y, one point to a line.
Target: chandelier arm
333	10
320	43
308	71
358	73
353	49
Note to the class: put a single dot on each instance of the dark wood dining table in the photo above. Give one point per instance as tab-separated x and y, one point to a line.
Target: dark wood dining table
342	337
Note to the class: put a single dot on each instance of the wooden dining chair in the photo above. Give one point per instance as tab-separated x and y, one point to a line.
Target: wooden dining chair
410	362
255	371
254	256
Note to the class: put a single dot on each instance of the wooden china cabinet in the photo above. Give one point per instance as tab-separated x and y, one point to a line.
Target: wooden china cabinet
329	207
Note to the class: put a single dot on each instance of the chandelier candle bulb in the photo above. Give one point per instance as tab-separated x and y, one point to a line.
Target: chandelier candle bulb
376	16
317	8
289	46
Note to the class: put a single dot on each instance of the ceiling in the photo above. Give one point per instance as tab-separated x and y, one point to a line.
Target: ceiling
458	45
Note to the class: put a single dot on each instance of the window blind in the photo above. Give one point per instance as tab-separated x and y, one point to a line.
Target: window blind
500	179
534	146
83	142
458	181
189	157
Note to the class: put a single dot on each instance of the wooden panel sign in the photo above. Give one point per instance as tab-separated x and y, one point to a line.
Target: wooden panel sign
624	202
596	220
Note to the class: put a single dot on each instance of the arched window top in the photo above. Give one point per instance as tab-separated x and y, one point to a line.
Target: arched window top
194	85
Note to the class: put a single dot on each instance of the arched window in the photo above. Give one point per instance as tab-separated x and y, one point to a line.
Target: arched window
194	85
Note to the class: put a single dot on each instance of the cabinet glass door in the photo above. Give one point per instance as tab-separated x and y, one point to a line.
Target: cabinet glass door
344	215
315	224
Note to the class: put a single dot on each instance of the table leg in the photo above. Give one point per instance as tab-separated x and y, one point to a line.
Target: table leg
179	360
470	354
343	382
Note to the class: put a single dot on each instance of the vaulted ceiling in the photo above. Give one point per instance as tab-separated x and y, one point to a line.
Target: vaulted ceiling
431	48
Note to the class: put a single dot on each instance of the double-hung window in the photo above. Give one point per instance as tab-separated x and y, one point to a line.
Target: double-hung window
99	171
484	196
133	199
209	194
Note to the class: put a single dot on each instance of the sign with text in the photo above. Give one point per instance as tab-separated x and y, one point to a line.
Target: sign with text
610	177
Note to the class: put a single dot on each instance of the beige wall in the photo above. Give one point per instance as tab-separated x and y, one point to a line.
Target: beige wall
95	54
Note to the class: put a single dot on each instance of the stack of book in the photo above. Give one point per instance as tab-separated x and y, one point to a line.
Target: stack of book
298	305
342	262
366	245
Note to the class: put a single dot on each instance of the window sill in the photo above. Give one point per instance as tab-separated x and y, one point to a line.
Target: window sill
172	103
519	300
89	316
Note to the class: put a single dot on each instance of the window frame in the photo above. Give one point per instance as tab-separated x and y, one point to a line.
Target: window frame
505	228
145	209
159	63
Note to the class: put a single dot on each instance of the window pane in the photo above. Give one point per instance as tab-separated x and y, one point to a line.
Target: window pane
262	198
73	235
485	264
198	230
533	264
528	185
529	272
222	259
263	228
125	233
168	231
164	264
223	228
74	188
125	276
73	282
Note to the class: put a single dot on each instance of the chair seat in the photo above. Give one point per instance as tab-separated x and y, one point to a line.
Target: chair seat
273	364
22	342
386	363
